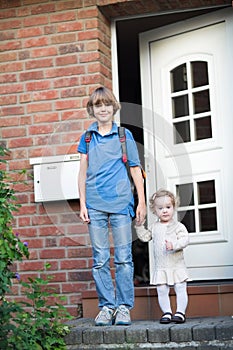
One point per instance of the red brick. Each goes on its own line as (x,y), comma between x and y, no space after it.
(73,264)
(26,232)
(24,221)
(8,56)
(48,231)
(39,107)
(67,104)
(38,85)
(63,38)
(61,72)
(69,27)
(39,63)
(45,95)
(13,132)
(8,100)
(45,117)
(63,17)
(45,8)
(68,81)
(71,287)
(44,52)
(11,89)
(35,243)
(31,265)
(29,32)
(88,35)
(66,60)
(21,142)
(52,253)
(35,20)
(36,75)
(87,13)
(8,78)
(11,45)
(42,41)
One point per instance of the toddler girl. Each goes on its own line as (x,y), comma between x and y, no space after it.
(169,238)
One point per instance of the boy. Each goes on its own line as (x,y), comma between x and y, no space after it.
(106,200)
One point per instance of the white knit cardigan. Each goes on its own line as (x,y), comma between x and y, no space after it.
(169,266)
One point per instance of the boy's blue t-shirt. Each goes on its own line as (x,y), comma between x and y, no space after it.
(108,187)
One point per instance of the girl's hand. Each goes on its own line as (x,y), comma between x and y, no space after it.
(169,245)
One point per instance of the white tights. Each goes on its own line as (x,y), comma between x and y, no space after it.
(181,297)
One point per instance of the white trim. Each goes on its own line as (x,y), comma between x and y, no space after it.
(115,81)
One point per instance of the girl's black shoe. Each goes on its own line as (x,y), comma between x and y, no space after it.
(179,317)
(166,318)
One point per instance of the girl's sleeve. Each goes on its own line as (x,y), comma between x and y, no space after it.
(182,237)
(145,235)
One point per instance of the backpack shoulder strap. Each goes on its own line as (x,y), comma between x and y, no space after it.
(122,138)
(88,139)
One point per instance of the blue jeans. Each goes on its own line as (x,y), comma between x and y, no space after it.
(120,225)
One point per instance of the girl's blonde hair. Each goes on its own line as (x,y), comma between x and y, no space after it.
(162,193)
(102,95)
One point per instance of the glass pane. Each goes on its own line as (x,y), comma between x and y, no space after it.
(179,78)
(208,219)
(206,192)
(182,132)
(201,100)
(203,128)
(185,193)
(187,218)
(199,73)
(180,106)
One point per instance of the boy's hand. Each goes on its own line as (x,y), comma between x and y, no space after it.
(84,215)
(140,214)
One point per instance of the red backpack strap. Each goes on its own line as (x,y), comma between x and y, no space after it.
(122,138)
(88,139)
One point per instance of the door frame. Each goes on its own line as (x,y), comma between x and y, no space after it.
(147,102)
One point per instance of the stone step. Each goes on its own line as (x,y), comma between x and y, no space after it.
(206,333)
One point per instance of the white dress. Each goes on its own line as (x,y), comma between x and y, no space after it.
(169,266)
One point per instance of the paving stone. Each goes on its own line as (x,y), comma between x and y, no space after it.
(93,335)
(204,332)
(181,333)
(136,334)
(224,330)
(158,334)
(114,335)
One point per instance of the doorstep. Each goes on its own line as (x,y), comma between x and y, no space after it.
(205,300)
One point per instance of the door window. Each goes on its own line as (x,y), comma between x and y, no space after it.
(190,100)
(198,207)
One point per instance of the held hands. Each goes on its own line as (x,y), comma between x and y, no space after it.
(140,214)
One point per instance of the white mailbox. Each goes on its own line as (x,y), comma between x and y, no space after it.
(56,177)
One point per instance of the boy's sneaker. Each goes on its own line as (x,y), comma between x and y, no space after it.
(104,317)
(122,316)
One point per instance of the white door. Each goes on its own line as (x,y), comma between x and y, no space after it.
(187,86)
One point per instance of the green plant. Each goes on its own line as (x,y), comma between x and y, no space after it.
(35,324)
(11,247)
(41,324)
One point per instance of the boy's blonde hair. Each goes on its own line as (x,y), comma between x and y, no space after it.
(162,193)
(102,95)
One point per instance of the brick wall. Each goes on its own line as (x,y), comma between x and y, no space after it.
(52,55)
